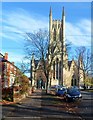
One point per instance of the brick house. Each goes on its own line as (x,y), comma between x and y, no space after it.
(14,84)
(1,57)
(8,71)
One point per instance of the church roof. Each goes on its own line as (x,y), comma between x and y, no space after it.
(39,64)
(70,62)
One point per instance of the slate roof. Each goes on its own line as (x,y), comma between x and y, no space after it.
(1,57)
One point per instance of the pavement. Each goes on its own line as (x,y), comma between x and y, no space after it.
(44,106)
(90,96)
(4,102)
(87,95)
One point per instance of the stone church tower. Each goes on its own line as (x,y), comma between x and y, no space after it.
(62,71)
(57,39)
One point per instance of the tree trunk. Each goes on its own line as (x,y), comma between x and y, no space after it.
(47,84)
(84,81)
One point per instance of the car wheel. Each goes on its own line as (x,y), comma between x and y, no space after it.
(66,99)
(80,99)
(56,94)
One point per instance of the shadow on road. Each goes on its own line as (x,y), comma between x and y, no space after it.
(40,104)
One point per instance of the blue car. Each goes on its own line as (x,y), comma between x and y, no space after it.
(61,91)
(73,93)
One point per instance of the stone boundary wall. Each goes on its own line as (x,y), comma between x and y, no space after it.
(17,96)
(13,93)
(7,94)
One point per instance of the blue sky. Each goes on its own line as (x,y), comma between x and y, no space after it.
(21,17)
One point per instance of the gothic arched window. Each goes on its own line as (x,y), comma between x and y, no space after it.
(54,69)
(60,66)
(54,34)
(60,35)
(53,26)
(58,25)
(57,68)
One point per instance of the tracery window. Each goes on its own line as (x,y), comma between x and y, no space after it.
(54,34)
(57,68)
(60,65)
(54,69)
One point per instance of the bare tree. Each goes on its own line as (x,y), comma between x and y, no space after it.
(38,43)
(84,55)
(24,66)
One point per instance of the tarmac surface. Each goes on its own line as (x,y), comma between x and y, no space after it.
(42,106)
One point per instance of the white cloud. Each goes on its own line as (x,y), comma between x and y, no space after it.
(16,23)
(80,33)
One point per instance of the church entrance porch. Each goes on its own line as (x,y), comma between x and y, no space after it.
(74,81)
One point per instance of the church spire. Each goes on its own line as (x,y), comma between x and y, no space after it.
(50,19)
(33,57)
(63,25)
(63,13)
(50,12)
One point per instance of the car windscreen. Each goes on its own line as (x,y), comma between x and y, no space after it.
(73,90)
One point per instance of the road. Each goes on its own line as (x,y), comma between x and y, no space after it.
(47,107)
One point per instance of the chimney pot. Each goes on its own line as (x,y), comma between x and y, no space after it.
(6,56)
(13,63)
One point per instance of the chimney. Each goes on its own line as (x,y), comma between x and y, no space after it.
(13,63)
(6,56)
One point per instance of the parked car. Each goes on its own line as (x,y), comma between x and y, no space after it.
(81,87)
(52,89)
(73,93)
(61,91)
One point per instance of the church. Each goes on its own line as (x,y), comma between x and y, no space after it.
(64,72)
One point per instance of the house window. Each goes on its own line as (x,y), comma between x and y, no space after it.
(11,81)
(6,83)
